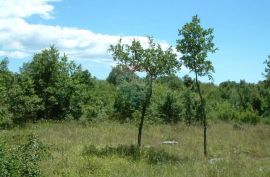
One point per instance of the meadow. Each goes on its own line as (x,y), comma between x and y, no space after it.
(104,149)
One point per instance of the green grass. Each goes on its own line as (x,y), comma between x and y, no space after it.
(104,149)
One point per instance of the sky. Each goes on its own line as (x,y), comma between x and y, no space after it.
(84,30)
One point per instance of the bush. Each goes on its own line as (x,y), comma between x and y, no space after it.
(266,120)
(91,113)
(169,110)
(225,111)
(23,160)
(129,98)
(189,106)
(248,116)
(98,105)
(5,118)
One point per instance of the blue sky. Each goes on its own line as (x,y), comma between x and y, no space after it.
(83,29)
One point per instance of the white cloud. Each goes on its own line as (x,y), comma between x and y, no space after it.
(20,39)
(26,8)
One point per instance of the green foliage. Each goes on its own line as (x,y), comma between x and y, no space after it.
(6,80)
(265,120)
(189,105)
(6,119)
(228,91)
(50,74)
(129,98)
(244,94)
(195,45)
(52,87)
(24,103)
(153,60)
(82,87)
(226,112)
(99,101)
(248,116)
(23,160)
(169,109)
(61,87)
(171,81)
(120,74)
(188,82)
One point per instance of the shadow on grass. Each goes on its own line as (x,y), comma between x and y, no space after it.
(132,152)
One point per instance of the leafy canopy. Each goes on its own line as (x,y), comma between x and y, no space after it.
(195,44)
(153,60)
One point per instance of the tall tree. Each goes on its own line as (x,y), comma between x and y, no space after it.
(195,43)
(154,61)
(50,74)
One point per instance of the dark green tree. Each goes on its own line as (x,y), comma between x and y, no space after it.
(129,97)
(172,81)
(169,109)
(82,85)
(195,43)
(6,82)
(189,106)
(23,101)
(154,61)
(119,74)
(188,81)
(244,95)
(50,74)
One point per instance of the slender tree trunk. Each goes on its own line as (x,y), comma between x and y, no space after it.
(144,108)
(141,126)
(204,116)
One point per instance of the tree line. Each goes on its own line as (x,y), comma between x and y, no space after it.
(50,86)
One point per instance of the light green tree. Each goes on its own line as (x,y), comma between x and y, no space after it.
(153,60)
(195,43)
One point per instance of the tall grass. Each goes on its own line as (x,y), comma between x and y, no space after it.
(239,151)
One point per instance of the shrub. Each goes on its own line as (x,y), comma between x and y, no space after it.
(189,106)
(169,110)
(129,98)
(248,116)
(23,160)
(5,118)
(90,112)
(93,112)
(225,111)
(266,120)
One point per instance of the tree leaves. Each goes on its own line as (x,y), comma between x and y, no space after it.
(153,60)
(195,43)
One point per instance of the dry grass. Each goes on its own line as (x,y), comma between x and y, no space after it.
(243,152)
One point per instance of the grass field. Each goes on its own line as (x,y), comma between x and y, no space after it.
(235,152)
